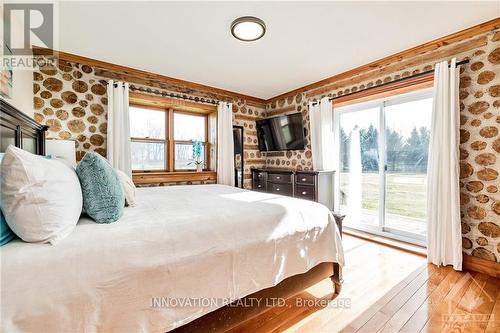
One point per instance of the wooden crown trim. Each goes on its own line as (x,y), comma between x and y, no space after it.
(403,55)
(132,75)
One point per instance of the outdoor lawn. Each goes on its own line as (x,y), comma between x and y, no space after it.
(405,193)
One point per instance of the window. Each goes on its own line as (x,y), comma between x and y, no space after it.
(187,129)
(383,148)
(149,140)
(162,139)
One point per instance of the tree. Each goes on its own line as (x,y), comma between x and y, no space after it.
(369,148)
(412,150)
(394,144)
(344,148)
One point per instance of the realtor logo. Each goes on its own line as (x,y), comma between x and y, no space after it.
(475,295)
(37,24)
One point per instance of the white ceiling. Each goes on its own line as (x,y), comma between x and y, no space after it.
(305,41)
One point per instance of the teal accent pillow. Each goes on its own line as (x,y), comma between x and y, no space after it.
(6,235)
(103,197)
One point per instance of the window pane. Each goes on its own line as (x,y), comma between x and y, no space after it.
(359,170)
(189,127)
(146,123)
(184,156)
(407,144)
(148,156)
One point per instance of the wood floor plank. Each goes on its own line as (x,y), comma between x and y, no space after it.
(399,318)
(474,310)
(361,320)
(459,319)
(438,317)
(366,293)
(376,278)
(385,313)
(389,291)
(417,322)
(494,322)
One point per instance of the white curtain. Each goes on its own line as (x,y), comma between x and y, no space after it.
(322,137)
(225,144)
(118,137)
(444,242)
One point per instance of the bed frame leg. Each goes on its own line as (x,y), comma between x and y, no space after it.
(337,279)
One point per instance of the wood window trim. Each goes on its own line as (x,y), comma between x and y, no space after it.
(145,178)
(389,90)
(170,107)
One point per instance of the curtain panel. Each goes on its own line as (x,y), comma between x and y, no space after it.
(225,144)
(444,242)
(118,137)
(322,135)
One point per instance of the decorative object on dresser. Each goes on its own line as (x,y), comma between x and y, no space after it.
(310,185)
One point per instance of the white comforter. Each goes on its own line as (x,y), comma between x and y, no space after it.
(179,243)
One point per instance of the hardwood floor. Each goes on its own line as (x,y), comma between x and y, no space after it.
(388,290)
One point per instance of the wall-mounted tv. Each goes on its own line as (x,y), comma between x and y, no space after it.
(281,133)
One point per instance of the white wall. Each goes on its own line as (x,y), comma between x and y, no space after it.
(22,89)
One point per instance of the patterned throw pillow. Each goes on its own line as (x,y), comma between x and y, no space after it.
(103,197)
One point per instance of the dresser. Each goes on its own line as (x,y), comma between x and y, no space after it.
(310,185)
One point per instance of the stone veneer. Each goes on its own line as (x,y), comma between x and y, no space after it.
(479,135)
(72,100)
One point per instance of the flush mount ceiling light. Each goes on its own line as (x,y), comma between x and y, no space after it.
(248,28)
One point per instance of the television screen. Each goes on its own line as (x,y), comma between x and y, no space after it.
(281,133)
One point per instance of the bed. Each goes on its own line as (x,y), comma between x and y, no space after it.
(180,256)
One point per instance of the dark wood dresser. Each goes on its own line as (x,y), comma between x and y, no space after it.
(310,185)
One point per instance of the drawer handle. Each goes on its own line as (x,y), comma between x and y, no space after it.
(277,189)
(304,193)
(278,177)
(259,185)
(304,179)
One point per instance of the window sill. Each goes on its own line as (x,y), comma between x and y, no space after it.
(143,178)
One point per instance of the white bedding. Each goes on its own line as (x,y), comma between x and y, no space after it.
(179,242)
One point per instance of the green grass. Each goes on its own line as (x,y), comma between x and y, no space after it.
(405,193)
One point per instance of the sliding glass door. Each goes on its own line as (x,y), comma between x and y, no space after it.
(359,191)
(383,147)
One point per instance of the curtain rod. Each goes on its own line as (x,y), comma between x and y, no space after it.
(173,95)
(391,82)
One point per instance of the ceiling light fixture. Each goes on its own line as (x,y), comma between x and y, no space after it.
(248,28)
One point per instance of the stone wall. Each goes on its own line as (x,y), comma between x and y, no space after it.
(479,131)
(72,100)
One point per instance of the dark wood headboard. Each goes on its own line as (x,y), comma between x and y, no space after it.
(16,128)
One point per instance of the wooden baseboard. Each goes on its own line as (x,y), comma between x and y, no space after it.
(476,264)
(469,262)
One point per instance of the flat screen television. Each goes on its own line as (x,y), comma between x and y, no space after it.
(281,133)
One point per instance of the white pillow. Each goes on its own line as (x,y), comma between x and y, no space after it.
(128,187)
(41,198)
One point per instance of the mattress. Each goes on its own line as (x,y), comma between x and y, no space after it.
(182,252)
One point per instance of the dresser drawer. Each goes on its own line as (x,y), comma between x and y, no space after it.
(259,185)
(283,189)
(282,178)
(304,178)
(304,192)
(259,175)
